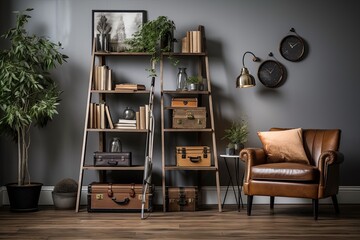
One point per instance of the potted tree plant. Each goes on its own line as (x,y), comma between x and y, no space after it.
(28,97)
(237,135)
(154,37)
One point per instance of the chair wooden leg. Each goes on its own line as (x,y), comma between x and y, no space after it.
(249,204)
(315,208)
(335,203)
(272,201)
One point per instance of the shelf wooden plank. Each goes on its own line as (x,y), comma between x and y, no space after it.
(121,91)
(122,54)
(117,130)
(183,54)
(176,168)
(174,92)
(188,130)
(119,168)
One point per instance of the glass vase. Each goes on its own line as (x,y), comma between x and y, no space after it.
(181,80)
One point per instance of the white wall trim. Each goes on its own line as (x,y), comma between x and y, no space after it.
(347,195)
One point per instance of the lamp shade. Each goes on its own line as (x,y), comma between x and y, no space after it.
(245,79)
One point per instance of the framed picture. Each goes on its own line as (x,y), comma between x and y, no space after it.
(110,28)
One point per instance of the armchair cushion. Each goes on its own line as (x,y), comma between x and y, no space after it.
(284,146)
(295,172)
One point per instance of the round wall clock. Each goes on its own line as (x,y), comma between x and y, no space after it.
(292,47)
(271,73)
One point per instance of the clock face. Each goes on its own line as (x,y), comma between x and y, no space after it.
(271,73)
(292,48)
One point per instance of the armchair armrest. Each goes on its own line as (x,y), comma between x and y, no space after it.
(252,157)
(328,161)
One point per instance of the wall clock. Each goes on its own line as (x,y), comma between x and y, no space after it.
(292,47)
(271,73)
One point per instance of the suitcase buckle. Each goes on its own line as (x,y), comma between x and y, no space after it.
(205,152)
(183,153)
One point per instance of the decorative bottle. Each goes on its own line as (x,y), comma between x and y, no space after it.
(115,145)
(181,80)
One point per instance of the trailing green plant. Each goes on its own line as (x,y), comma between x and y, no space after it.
(154,37)
(28,95)
(237,133)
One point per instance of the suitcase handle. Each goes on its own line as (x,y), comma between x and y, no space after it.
(195,159)
(121,202)
(112,162)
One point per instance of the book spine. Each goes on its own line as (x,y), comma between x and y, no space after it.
(142,117)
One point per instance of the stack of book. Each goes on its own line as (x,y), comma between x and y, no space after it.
(129,87)
(99,115)
(126,124)
(192,42)
(102,78)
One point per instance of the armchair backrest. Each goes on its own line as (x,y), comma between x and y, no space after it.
(317,141)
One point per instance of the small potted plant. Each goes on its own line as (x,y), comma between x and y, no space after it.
(237,135)
(64,194)
(193,83)
(154,37)
(28,97)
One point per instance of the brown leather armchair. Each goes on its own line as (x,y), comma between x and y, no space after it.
(316,180)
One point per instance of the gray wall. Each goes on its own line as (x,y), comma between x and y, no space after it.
(320,92)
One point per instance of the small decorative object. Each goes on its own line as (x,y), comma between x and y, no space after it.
(193,83)
(230,149)
(64,194)
(271,73)
(129,114)
(237,135)
(116,145)
(181,80)
(292,47)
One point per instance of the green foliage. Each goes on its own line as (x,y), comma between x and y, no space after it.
(237,133)
(28,95)
(194,79)
(154,37)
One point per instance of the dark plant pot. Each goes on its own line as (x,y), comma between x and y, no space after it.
(24,198)
(64,200)
(167,41)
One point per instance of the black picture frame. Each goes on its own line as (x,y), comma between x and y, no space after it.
(123,24)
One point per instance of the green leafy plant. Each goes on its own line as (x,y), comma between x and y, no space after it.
(154,37)
(237,133)
(28,95)
(194,79)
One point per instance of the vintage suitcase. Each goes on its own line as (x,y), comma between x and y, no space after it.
(107,197)
(189,118)
(184,102)
(193,156)
(112,159)
(180,199)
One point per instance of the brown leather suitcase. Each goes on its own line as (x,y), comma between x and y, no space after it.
(193,156)
(107,197)
(113,159)
(189,118)
(179,199)
(184,102)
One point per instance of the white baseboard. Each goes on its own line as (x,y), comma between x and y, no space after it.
(347,195)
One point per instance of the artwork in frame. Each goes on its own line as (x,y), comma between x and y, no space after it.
(110,28)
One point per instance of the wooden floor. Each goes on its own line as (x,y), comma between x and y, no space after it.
(284,222)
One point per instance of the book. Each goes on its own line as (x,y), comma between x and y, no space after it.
(127,121)
(129,86)
(91,115)
(108,115)
(125,124)
(102,115)
(142,117)
(137,117)
(147,114)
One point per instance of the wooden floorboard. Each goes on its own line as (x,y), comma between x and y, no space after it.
(284,222)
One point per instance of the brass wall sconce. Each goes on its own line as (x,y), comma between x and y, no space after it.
(245,79)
